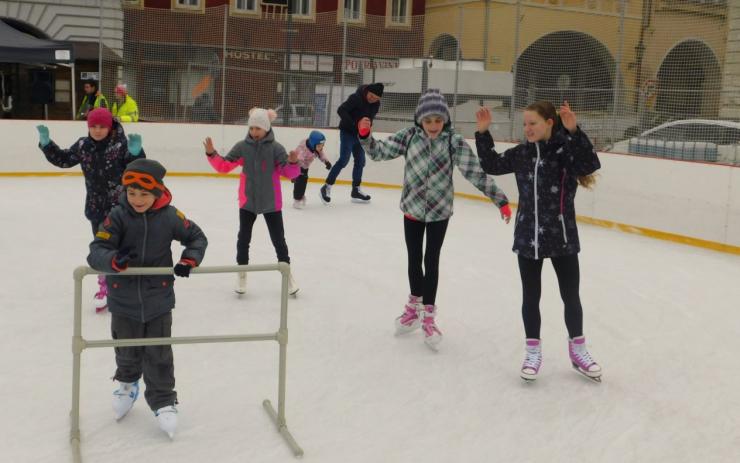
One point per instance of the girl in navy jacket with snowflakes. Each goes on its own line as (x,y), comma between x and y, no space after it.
(549,166)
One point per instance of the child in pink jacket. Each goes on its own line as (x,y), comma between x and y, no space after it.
(263,160)
(308,150)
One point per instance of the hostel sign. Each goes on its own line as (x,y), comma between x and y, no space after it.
(252,55)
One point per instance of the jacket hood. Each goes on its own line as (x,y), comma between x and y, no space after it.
(270,137)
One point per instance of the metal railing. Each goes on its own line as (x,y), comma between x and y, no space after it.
(281,336)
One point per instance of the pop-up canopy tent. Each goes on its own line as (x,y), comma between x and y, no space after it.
(19,47)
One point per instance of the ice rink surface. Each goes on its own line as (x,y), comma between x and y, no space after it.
(662,319)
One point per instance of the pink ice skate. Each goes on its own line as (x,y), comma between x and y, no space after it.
(432,335)
(581,359)
(409,319)
(532,360)
(100,300)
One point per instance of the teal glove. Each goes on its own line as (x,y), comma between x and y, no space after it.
(134,144)
(43,135)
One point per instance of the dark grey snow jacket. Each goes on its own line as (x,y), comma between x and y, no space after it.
(149,235)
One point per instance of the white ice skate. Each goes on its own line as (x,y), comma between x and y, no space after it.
(241,283)
(124,398)
(167,419)
(409,320)
(582,361)
(532,360)
(432,335)
(100,300)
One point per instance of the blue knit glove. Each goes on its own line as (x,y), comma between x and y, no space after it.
(134,144)
(43,135)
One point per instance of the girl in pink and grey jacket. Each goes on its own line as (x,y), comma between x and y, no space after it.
(263,160)
(308,150)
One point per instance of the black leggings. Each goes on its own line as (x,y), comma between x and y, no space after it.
(274,222)
(566,268)
(299,184)
(423,283)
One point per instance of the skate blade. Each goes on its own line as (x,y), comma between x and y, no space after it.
(595,379)
(528,380)
(527,377)
(360,201)
(433,344)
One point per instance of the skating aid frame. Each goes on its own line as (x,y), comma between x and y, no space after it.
(281,336)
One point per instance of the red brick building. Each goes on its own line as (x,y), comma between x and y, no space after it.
(174,52)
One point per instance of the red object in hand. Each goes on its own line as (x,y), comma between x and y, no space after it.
(363,129)
(506,213)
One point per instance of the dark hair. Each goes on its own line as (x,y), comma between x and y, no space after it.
(547,111)
(92,82)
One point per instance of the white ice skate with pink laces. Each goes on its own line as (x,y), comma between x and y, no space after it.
(432,335)
(582,361)
(100,300)
(532,359)
(409,320)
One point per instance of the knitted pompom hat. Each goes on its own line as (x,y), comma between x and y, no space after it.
(431,103)
(262,118)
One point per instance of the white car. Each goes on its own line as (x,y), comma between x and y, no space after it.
(688,139)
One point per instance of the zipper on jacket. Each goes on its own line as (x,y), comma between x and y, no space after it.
(536,213)
(143,256)
(562,206)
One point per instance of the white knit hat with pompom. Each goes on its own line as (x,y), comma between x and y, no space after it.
(260,117)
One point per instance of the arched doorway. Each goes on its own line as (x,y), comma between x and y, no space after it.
(689,82)
(566,65)
(444,47)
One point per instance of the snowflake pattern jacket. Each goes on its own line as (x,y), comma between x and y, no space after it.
(546,175)
(102,164)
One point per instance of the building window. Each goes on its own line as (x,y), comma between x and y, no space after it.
(245,5)
(189,5)
(132,3)
(301,7)
(397,12)
(353,10)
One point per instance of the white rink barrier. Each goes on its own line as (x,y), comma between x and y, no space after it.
(688,202)
(281,336)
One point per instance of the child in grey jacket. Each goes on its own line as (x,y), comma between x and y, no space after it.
(139,232)
(263,161)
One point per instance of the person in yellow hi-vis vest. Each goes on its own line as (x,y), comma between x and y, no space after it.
(125,108)
(93,99)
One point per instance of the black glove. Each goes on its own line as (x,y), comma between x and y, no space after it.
(122,258)
(182,269)
(328,165)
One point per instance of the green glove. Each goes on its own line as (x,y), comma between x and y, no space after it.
(43,135)
(134,144)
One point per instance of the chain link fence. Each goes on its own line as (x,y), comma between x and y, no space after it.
(626,67)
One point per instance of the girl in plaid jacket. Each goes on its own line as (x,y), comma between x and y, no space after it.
(431,148)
